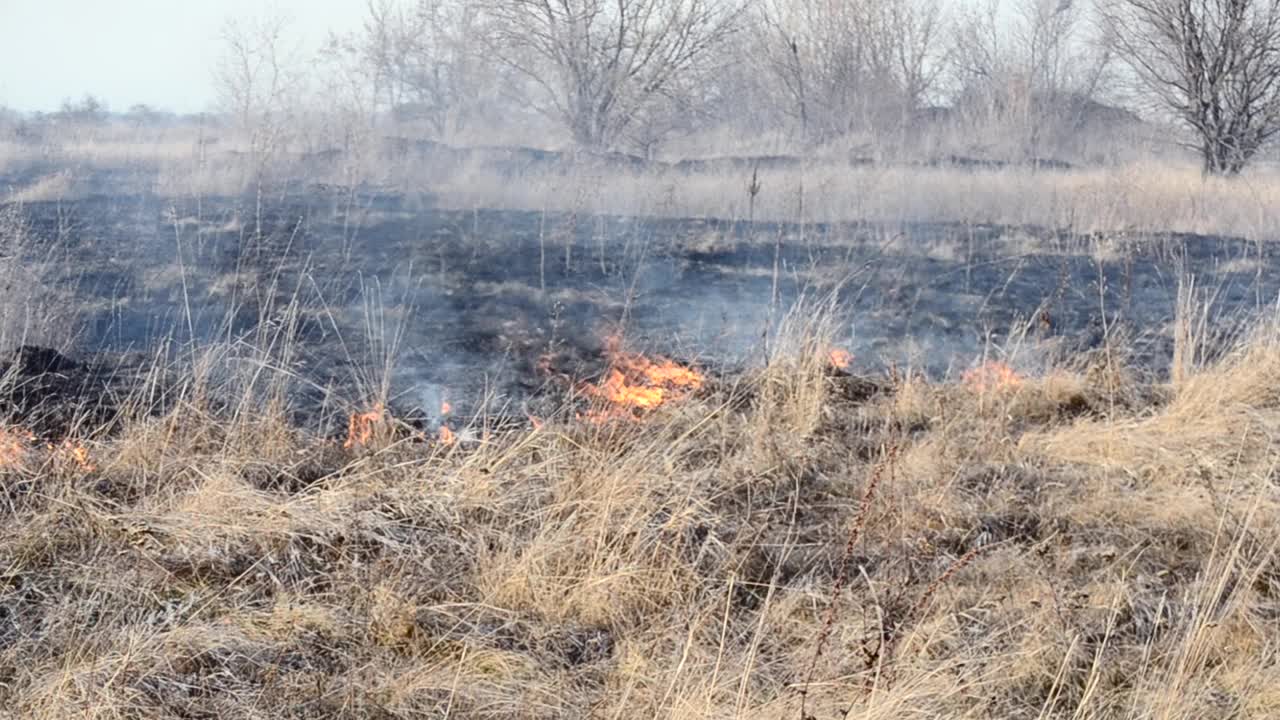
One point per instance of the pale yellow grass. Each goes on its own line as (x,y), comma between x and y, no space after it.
(1049,548)
(1137,197)
(1072,545)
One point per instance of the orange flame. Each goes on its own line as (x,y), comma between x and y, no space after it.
(445,407)
(78,453)
(15,444)
(992,375)
(360,426)
(619,391)
(839,358)
(637,383)
(447,436)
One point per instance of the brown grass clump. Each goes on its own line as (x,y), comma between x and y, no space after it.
(795,541)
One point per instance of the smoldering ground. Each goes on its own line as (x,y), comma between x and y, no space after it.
(466,304)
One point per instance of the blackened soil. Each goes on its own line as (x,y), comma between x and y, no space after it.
(484,301)
(55,397)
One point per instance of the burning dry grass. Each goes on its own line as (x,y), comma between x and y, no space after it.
(798,537)
(636,384)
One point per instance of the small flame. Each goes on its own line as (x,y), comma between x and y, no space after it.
(360,426)
(78,453)
(839,358)
(637,383)
(991,376)
(445,407)
(618,391)
(447,436)
(15,444)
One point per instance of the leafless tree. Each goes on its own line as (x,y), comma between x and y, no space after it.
(143,115)
(260,86)
(1029,68)
(88,110)
(420,60)
(258,82)
(598,66)
(844,65)
(1214,63)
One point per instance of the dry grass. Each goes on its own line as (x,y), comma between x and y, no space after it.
(32,310)
(1070,545)
(1141,195)
(1137,197)
(1038,549)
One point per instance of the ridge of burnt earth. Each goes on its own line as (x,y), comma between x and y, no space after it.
(477,296)
(519,160)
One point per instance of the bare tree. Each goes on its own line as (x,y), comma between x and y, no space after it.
(599,65)
(1031,68)
(1214,63)
(419,61)
(258,82)
(844,65)
(88,110)
(260,86)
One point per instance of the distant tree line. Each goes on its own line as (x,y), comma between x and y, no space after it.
(91,110)
(632,75)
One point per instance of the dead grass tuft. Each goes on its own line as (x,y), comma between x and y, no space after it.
(794,539)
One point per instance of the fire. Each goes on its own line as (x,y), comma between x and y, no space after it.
(447,436)
(445,407)
(839,358)
(78,453)
(361,426)
(15,444)
(638,383)
(619,391)
(992,375)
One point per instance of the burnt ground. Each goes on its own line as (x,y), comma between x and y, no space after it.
(477,299)
(1047,548)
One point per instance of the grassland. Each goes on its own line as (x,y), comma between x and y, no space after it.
(1094,539)
(794,540)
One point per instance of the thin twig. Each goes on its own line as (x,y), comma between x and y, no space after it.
(842,574)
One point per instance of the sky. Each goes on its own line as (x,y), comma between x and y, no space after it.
(158,52)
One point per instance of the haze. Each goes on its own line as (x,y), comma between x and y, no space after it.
(773,359)
(156,52)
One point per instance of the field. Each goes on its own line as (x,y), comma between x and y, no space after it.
(509,436)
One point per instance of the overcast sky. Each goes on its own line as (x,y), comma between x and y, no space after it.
(158,52)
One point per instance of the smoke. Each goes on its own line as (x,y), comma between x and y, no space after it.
(362,294)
